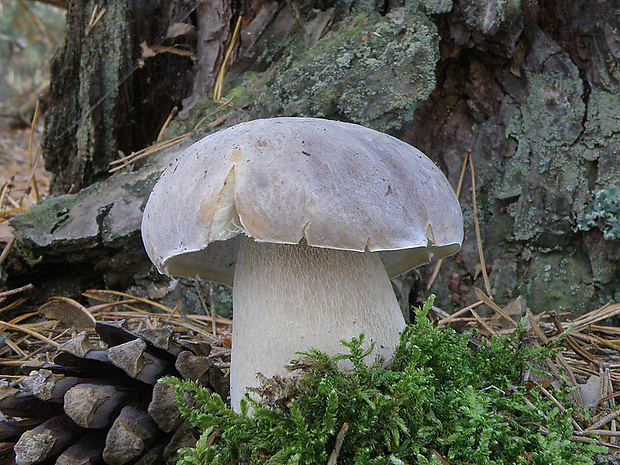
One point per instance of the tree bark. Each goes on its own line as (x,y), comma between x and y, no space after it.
(106,96)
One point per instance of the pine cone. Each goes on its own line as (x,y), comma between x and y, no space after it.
(94,405)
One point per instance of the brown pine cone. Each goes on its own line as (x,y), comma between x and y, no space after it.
(93,405)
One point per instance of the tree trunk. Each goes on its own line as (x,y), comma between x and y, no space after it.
(111,90)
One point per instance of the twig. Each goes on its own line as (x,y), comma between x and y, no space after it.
(212,305)
(175,311)
(489,302)
(15,348)
(6,250)
(27,287)
(35,118)
(127,296)
(3,195)
(459,313)
(13,305)
(157,147)
(224,104)
(603,421)
(559,405)
(570,340)
(172,114)
(94,20)
(598,432)
(483,323)
(577,438)
(197,318)
(199,292)
(607,311)
(97,308)
(333,458)
(36,22)
(576,394)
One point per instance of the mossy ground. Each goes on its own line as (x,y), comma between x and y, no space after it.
(443,394)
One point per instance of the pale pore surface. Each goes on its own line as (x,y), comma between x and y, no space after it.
(288,298)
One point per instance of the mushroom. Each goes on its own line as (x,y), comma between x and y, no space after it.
(308,218)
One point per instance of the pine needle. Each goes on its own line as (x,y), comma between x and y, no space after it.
(32,333)
(485,275)
(219,82)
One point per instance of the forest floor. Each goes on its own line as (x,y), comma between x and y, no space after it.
(32,330)
(23,179)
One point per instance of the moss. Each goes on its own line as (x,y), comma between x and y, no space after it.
(241,91)
(437,396)
(46,217)
(26,256)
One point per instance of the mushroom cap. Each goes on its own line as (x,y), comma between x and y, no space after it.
(336,185)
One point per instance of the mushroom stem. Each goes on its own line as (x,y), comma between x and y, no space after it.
(288,298)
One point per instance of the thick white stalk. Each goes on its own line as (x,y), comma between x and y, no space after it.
(287,298)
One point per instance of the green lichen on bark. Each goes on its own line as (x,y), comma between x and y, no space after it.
(603,212)
(370,69)
(561,282)
(489,16)
(367,68)
(546,128)
(46,218)
(601,140)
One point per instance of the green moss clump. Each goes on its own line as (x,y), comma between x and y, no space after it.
(437,395)
(603,213)
(27,256)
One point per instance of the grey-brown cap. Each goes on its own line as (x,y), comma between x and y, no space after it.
(337,185)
